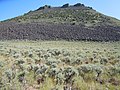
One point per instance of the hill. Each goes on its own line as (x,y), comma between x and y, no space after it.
(68,22)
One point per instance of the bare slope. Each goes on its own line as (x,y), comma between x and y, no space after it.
(76,22)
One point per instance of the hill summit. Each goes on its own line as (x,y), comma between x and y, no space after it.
(67,22)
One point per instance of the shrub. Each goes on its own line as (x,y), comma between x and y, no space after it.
(10,75)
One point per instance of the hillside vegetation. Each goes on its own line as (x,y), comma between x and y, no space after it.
(77,14)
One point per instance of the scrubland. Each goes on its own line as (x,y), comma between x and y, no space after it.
(59,65)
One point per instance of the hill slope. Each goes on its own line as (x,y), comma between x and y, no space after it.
(77,22)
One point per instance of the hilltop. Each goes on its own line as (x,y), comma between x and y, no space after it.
(67,22)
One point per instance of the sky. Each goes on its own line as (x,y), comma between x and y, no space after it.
(13,8)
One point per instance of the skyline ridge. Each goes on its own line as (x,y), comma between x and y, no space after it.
(11,9)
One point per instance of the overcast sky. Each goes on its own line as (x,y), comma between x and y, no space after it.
(13,8)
